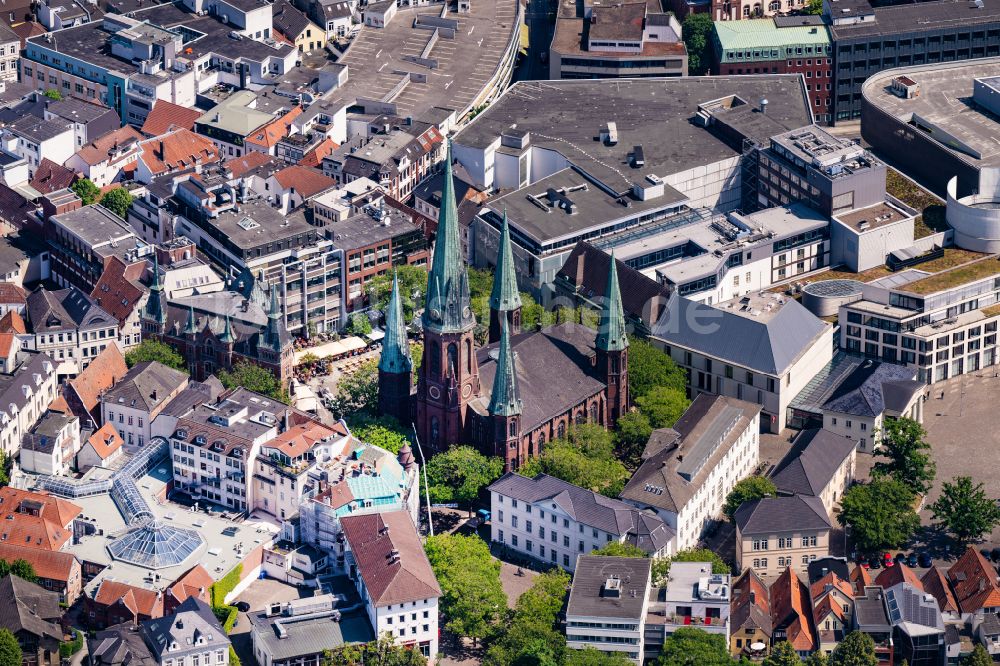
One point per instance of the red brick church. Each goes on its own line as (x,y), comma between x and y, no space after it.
(521,390)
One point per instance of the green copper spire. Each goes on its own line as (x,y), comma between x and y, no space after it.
(273,336)
(505,296)
(448,303)
(395,347)
(227,337)
(154,306)
(611,331)
(505,399)
(190,329)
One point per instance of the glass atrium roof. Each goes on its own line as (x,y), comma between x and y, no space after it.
(155,545)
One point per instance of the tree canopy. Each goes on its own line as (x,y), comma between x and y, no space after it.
(619,549)
(254,378)
(460,474)
(694,647)
(10,649)
(697,31)
(412,288)
(531,636)
(880,514)
(857,649)
(650,367)
(472,601)
(782,654)
(663,406)
(358,324)
(53,94)
(117,201)
(747,490)
(978,657)
(965,510)
(585,457)
(86,190)
(382,431)
(593,657)
(154,350)
(381,652)
(631,434)
(20,568)
(906,455)
(357,391)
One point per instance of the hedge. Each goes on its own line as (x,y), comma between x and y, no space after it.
(227,616)
(233,659)
(68,648)
(225,585)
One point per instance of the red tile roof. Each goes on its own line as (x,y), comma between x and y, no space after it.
(118,290)
(7,342)
(790,608)
(99,151)
(12,322)
(299,439)
(974,582)
(305,180)
(55,565)
(314,157)
(193,583)
(900,573)
(179,149)
(935,584)
(59,405)
(138,600)
(27,30)
(390,557)
(239,166)
(817,589)
(861,578)
(166,116)
(102,373)
(268,136)
(35,520)
(11,293)
(50,177)
(105,441)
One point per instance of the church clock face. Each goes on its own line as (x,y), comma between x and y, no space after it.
(466,312)
(435,314)
(434,392)
(466,391)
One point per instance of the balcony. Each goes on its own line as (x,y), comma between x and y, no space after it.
(694,621)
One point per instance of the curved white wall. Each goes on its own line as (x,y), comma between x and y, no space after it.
(976,229)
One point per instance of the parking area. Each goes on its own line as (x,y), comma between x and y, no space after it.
(260,593)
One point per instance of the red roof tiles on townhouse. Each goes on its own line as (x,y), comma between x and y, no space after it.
(138,600)
(789,599)
(35,520)
(102,373)
(118,290)
(54,565)
(50,177)
(12,322)
(270,134)
(195,582)
(390,557)
(817,589)
(861,578)
(299,439)
(27,30)
(98,151)
(166,116)
(314,158)
(900,573)
(7,342)
(179,149)
(105,441)
(936,585)
(974,582)
(12,294)
(306,181)
(59,405)
(239,166)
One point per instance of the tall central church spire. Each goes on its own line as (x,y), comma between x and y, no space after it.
(448,308)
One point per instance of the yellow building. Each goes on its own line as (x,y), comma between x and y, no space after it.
(750,617)
(296,27)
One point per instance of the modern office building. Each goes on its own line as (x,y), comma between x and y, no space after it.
(779,45)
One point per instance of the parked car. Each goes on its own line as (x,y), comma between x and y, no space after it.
(985,552)
(875,562)
(900,557)
(912,561)
(996,554)
(925,560)
(887,560)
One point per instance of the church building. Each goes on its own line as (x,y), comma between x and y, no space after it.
(521,390)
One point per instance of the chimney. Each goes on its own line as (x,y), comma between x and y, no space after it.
(763,105)
(753,597)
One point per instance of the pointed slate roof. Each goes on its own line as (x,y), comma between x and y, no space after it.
(154,305)
(448,308)
(190,328)
(273,336)
(506,398)
(395,356)
(505,296)
(611,331)
(227,337)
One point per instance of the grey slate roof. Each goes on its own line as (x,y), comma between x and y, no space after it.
(587,507)
(870,613)
(811,462)
(874,387)
(145,386)
(33,368)
(288,20)
(768,345)
(65,309)
(120,645)
(29,607)
(192,620)
(586,597)
(781,514)
(658,482)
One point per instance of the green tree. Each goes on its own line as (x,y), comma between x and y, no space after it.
(6,464)
(880,514)
(814,7)
(619,549)
(254,378)
(382,652)
(663,406)
(586,458)
(978,657)
(10,650)
(86,190)
(357,391)
(472,598)
(412,288)
(747,490)
(153,350)
(650,367)
(358,324)
(382,431)
(117,201)
(480,282)
(460,474)
(816,659)
(907,455)
(965,510)
(53,94)
(20,568)
(782,654)
(697,31)
(594,657)
(531,635)
(661,567)
(693,647)
(631,435)
(857,649)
